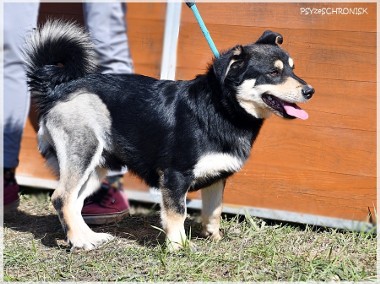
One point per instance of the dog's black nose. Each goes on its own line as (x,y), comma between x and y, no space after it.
(308,91)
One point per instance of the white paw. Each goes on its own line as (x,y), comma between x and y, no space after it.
(214,236)
(174,246)
(89,241)
(176,239)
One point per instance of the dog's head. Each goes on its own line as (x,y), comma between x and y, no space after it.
(260,77)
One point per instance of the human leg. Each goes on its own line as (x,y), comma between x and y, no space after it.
(108,30)
(19,19)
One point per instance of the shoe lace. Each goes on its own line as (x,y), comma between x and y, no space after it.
(106,194)
(108,199)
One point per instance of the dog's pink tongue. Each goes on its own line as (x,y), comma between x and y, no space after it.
(296,112)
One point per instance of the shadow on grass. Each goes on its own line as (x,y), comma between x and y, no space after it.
(145,230)
(137,227)
(46,228)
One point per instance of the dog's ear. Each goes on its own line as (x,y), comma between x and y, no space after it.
(230,64)
(269,37)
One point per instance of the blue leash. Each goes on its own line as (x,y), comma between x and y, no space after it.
(205,32)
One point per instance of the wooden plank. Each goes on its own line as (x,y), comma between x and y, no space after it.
(146,23)
(279,15)
(274,188)
(145,38)
(66,11)
(308,50)
(342,151)
(147,70)
(61,9)
(147,11)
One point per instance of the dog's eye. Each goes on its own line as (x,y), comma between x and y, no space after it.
(274,73)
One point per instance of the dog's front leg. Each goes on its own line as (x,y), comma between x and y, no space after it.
(212,198)
(174,187)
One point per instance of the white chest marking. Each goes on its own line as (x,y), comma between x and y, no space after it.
(212,164)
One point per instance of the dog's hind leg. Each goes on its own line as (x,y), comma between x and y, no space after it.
(79,156)
(174,187)
(212,198)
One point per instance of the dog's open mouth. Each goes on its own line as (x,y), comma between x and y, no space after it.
(285,109)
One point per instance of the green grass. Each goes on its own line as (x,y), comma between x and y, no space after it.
(251,250)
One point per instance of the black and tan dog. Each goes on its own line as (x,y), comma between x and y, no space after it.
(178,136)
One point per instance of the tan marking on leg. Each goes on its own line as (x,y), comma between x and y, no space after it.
(172,222)
(175,231)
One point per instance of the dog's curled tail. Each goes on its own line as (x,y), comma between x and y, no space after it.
(57,52)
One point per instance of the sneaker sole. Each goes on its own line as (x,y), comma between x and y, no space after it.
(104,219)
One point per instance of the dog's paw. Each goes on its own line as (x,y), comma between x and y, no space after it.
(89,241)
(173,246)
(214,236)
(177,246)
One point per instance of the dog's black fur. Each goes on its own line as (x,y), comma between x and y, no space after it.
(159,129)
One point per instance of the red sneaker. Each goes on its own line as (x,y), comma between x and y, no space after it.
(11,190)
(109,205)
